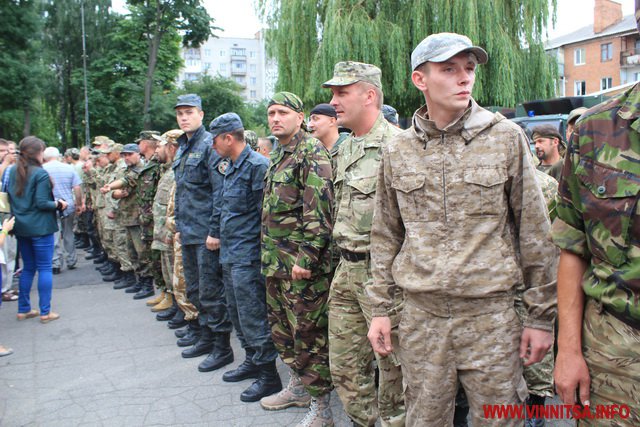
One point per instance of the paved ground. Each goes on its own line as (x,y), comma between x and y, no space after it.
(108,362)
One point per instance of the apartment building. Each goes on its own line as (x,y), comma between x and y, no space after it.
(599,56)
(240,59)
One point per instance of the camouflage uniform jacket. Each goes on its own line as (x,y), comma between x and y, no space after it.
(549,187)
(111,173)
(334,151)
(128,210)
(355,186)
(144,184)
(241,208)
(162,236)
(89,181)
(198,182)
(450,220)
(598,210)
(296,211)
(171,203)
(101,178)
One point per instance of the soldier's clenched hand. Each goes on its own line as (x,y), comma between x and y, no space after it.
(212,243)
(534,344)
(299,273)
(380,335)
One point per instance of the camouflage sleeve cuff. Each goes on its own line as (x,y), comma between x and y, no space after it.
(303,261)
(569,238)
(539,324)
(381,311)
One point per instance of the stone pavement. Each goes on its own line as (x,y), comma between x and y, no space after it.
(108,362)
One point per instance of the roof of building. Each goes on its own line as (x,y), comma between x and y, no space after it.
(627,24)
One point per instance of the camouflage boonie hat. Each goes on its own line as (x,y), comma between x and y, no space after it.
(146,135)
(101,139)
(110,148)
(350,72)
(287,99)
(118,147)
(169,137)
(575,114)
(251,138)
(442,46)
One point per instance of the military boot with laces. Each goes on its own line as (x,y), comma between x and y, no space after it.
(293,395)
(319,414)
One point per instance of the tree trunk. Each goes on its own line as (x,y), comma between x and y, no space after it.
(62,120)
(27,120)
(72,111)
(154,46)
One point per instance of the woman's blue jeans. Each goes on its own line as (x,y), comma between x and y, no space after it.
(37,255)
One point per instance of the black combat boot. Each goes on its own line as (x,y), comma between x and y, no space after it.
(101,259)
(168,314)
(129,280)
(177,321)
(221,354)
(193,334)
(115,275)
(268,383)
(146,289)
(95,253)
(107,269)
(179,333)
(203,346)
(135,288)
(243,372)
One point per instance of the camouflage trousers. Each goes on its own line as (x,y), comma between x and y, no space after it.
(539,376)
(611,349)
(297,311)
(246,303)
(122,243)
(166,263)
(351,356)
(142,251)
(156,267)
(444,340)
(180,285)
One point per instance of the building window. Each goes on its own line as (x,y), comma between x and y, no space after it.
(253,94)
(252,54)
(240,80)
(253,81)
(223,67)
(578,56)
(636,77)
(579,88)
(606,83)
(223,53)
(252,68)
(207,52)
(606,52)
(238,51)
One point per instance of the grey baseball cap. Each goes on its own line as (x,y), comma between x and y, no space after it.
(130,148)
(189,100)
(442,46)
(227,122)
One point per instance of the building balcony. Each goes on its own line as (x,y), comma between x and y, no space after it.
(236,72)
(630,58)
(238,57)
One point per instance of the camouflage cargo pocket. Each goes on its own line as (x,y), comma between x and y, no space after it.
(483,191)
(609,197)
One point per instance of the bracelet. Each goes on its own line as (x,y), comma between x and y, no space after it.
(5,232)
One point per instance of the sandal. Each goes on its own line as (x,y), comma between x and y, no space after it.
(49,317)
(28,315)
(4,351)
(8,296)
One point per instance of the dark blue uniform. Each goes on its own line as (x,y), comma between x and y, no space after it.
(240,254)
(197,215)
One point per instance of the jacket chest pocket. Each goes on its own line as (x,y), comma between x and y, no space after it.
(286,190)
(482,192)
(610,199)
(195,170)
(413,201)
(236,199)
(362,201)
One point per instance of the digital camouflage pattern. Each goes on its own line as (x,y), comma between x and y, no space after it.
(349,308)
(162,236)
(128,210)
(297,311)
(297,206)
(598,212)
(349,72)
(549,187)
(251,138)
(448,207)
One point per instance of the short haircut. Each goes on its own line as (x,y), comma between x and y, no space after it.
(379,95)
(237,134)
(4,142)
(266,141)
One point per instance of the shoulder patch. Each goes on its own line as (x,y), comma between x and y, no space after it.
(223,165)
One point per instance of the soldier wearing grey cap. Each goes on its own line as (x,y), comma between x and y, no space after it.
(460,222)
(241,202)
(357,98)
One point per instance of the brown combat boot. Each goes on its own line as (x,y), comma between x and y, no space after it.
(293,395)
(319,414)
(156,300)
(165,304)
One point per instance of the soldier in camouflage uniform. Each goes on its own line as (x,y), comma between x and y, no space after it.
(357,94)
(251,138)
(162,237)
(459,221)
(323,125)
(296,232)
(598,232)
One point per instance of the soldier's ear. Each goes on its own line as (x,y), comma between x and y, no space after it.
(418,78)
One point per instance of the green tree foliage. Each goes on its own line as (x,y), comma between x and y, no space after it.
(160,18)
(21,70)
(307,37)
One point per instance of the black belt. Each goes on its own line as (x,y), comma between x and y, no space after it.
(354,256)
(624,319)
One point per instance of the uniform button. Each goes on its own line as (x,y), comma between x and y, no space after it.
(602,189)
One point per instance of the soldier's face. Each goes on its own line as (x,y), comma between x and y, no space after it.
(545,147)
(4,150)
(102,161)
(113,156)
(447,86)
(189,119)
(349,102)
(131,159)
(161,153)
(283,121)
(321,125)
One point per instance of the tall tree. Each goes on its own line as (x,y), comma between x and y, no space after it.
(159,17)
(307,37)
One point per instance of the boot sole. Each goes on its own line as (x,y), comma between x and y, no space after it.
(228,360)
(257,398)
(243,378)
(286,405)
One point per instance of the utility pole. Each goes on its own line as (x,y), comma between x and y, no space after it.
(87,137)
